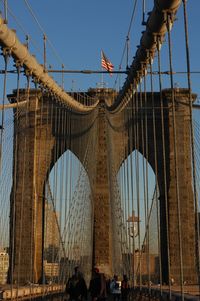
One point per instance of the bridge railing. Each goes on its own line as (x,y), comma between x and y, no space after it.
(32,291)
(145,293)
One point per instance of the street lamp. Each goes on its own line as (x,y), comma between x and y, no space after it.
(133,231)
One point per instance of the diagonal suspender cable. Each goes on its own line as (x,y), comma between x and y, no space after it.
(132,192)
(22,29)
(126,46)
(42,30)
(155,25)
(156,171)
(147,174)
(14,182)
(164,165)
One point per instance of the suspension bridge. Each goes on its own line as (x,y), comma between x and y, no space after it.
(105,178)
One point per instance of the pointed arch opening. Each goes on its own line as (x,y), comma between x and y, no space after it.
(67,220)
(138,226)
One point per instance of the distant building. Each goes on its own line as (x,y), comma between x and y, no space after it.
(51,227)
(51,270)
(127,261)
(4,265)
(147,264)
(51,253)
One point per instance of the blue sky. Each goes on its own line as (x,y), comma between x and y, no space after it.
(80,29)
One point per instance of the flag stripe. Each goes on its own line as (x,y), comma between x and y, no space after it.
(105,63)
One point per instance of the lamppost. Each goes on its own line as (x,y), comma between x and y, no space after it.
(133,232)
(133,220)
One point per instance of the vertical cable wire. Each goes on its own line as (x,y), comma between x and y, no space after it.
(133,282)
(143,151)
(156,168)
(123,206)
(130,210)
(62,178)
(13,204)
(136,255)
(147,174)
(48,108)
(164,165)
(57,153)
(63,83)
(187,50)
(51,103)
(143,12)
(175,153)
(127,51)
(126,195)
(44,53)
(68,208)
(38,194)
(122,212)
(23,187)
(137,181)
(6,58)
(44,205)
(33,211)
(6,10)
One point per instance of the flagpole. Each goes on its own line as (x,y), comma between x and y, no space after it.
(101,70)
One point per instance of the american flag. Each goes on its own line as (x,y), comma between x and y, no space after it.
(105,63)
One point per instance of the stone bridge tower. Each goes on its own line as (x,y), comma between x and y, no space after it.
(35,139)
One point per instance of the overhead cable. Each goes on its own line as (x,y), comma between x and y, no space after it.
(43,31)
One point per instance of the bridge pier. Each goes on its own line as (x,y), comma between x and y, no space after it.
(33,144)
(183,242)
(151,111)
(102,250)
(174,181)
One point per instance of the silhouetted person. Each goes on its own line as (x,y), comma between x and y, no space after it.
(125,288)
(97,286)
(76,286)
